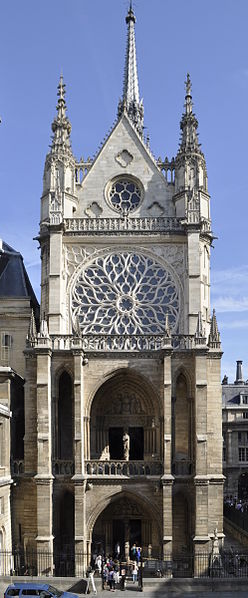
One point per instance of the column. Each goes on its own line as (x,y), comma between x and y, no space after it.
(44,477)
(79,478)
(201,481)
(167,478)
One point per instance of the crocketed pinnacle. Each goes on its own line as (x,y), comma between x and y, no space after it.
(61,125)
(130,98)
(214,336)
(189,124)
(32,332)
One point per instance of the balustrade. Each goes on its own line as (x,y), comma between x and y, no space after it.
(111,342)
(182,467)
(17,466)
(123,468)
(63,467)
(123,224)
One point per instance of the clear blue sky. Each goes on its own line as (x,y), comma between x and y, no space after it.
(87,39)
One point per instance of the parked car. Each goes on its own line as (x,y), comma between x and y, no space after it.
(43,590)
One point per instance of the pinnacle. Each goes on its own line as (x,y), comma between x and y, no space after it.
(189,124)
(61,126)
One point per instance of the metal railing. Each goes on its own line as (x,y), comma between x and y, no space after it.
(70,563)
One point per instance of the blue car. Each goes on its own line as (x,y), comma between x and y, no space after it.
(43,590)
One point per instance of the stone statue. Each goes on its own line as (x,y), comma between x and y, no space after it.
(126,445)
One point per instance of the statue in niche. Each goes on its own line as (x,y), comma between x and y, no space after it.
(126,445)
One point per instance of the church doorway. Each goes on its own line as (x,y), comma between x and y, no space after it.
(124,420)
(126,521)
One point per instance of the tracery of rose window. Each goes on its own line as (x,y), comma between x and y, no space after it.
(125,293)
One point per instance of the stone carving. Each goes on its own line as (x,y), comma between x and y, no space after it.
(125,293)
(93,210)
(124,158)
(126,445)
(126,508)
(125,405)
(156,209)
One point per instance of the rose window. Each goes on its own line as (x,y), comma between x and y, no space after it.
(125,293)
(124,194)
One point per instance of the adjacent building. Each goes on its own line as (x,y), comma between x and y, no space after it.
(18,305)
(235,435)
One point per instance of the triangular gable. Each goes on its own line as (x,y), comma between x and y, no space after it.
(124,153)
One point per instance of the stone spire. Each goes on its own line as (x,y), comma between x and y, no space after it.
(32,332)
(61,126)
(189,137)
(130,99)
(214,336)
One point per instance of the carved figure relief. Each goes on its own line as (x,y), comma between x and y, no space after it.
(125,405)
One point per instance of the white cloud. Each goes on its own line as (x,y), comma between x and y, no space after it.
(230,289)
(233,324)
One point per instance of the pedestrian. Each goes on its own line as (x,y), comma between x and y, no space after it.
(135,571)
(90,581)
(123,578)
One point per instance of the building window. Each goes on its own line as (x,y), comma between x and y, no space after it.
(245,414)
(239,436)
(6,343)
(242,453)
(244,399)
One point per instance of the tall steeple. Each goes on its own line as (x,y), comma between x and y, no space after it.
(130,99)
(61,125)
(189,124)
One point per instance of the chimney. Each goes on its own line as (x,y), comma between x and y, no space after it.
(239,373)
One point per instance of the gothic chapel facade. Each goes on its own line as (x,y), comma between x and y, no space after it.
(123,435)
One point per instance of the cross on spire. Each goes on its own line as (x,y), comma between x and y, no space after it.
(130,101)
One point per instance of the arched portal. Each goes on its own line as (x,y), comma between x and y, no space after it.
(243,486)
(126,520)
(125,423)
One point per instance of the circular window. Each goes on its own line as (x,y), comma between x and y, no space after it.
(124,194)
(125,292)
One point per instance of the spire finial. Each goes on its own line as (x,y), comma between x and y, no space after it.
(61,126)
(188,85)
(130,99)
(214,336)
(189,124)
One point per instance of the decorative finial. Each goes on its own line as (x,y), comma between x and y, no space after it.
(214,335)
(130,15)
(189,124)
(61,126)
(188,85)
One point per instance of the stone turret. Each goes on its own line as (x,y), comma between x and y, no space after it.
(191,196)
(59,198)
(130,101)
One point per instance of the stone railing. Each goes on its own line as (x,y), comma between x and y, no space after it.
(63,467)
(17,466)
(115,343)
(182,467)
(125,224)
(95,468)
